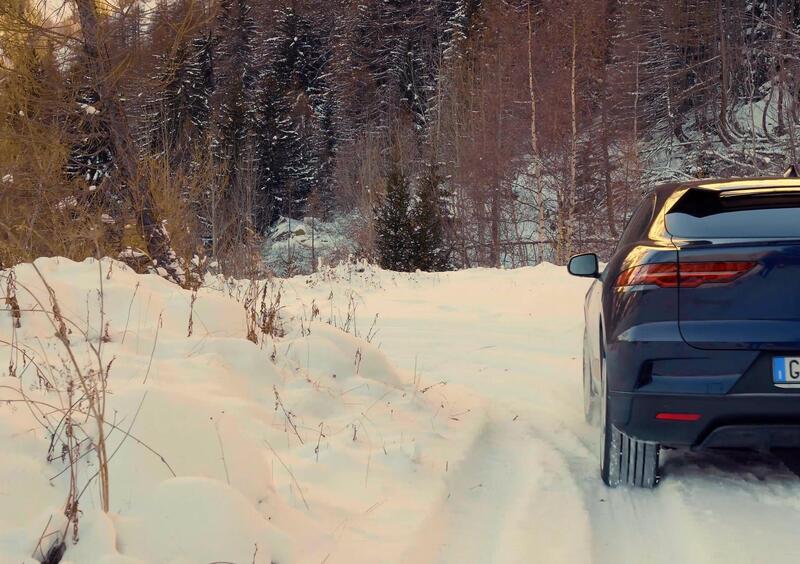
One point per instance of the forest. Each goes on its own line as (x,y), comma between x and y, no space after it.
(431,134)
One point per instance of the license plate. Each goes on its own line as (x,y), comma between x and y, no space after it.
(786,371)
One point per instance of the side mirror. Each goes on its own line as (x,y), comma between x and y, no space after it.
(587,265)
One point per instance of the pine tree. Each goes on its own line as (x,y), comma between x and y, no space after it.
(327,113)
(413,81)
(455,29)
(200,82)
(236,78)
(429,217)
(394,226)
(461,20)
(298,83)
(300,59)
(278,150)
(180,109)
(388,62)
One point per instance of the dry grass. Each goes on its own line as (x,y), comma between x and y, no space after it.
(75,420)
(46,212)
(262,305)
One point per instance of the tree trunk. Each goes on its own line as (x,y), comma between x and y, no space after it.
(724,72)
(633,157)
(535,160)
(573,177)
(782,72)
(607,182)
(132,187)
(495,227)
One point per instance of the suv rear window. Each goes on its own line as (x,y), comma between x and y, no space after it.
(736,213)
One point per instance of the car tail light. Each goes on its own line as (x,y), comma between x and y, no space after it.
(663,274)
(685,275)
(694,274)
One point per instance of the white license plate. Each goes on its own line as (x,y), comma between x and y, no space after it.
(786,371)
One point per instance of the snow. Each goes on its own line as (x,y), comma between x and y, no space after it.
(449,428)
(288,247)
(129,253)
(68,202)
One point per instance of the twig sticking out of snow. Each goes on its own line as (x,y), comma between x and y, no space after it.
(222,450)
(287,414)
(319,440)
(291,474)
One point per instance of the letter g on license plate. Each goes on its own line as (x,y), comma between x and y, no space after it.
(786,371)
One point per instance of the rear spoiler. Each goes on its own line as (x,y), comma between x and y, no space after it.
(703,201)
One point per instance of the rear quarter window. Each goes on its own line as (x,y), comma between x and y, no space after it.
(639,222)
(707,214)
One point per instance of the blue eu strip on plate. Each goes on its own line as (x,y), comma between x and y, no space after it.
(779,370)
(786,371)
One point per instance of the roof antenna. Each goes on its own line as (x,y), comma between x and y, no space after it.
(792,172)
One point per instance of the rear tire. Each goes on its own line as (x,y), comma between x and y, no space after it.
(623,459)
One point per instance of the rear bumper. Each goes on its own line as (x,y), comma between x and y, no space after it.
(651,370)
(758,421)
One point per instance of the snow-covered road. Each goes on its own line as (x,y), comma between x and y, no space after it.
(527,488)
(449,430)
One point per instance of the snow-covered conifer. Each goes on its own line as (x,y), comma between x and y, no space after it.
(394,224)
(429,218)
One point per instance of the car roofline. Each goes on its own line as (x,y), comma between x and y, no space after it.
(725,184)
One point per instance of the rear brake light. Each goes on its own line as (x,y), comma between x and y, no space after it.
(687,275)
(678,416)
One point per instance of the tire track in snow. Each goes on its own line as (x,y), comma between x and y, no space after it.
(556,525)
(468,523)
(621,523)
(507,502)
(617,519)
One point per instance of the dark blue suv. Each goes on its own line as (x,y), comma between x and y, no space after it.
(693,328)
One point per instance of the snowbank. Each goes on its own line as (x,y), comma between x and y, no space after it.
(220,449)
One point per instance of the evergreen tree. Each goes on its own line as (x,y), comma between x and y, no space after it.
(180,110)
(388,62)
(278,150)
(199,83)
(394,226)
(301,73)
(300,59)
(413,81)
(236,79)
(461,21)
(429,217)
(326,111)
